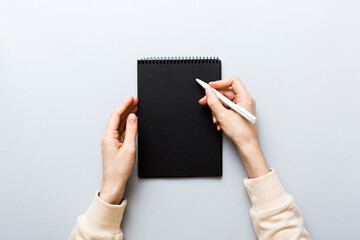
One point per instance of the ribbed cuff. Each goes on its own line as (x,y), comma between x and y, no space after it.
(105,217)
(266,191)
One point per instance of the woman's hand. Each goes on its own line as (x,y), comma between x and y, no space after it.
(242,132)
(118,151)
(236,127)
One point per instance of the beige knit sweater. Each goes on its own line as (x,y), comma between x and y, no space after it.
(274,214)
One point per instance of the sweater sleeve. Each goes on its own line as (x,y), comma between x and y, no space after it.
(101,221)
(274,213)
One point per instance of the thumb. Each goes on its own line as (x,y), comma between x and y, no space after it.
(131,130)
(214,103)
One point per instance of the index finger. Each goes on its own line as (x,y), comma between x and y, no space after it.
(114,120)
(233,82)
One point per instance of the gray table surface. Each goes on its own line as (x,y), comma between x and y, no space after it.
(65,65)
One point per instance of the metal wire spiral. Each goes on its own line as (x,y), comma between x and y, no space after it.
(177,60)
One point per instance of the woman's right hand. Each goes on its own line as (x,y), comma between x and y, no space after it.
(236,127)
(241,131)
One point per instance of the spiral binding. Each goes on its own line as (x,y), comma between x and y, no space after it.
(178,60)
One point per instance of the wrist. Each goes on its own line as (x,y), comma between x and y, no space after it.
(253,159)
(112,193)
(248,146)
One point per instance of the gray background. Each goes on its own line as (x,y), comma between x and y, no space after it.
(65,65)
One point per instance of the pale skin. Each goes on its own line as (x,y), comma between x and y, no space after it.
(119,148)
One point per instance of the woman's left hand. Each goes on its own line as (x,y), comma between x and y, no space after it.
(118,151)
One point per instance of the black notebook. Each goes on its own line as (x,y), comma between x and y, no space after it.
(176,136)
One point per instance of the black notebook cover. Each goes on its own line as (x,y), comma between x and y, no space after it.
(176,136)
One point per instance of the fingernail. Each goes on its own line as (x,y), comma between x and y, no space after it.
(208,92)
(214,119)
(132,118)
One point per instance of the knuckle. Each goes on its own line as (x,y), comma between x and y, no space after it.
(114,114)
(116,135)
(129,149)
(104,141)
(210,103)
(131,131)
(250,99)
(213,105)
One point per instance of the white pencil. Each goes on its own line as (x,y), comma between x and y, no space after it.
(240,110)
